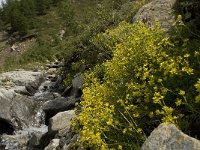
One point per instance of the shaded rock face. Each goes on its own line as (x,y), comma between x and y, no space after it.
(168,137)
(6,127)
(52,107)
(161,10)
(77,84)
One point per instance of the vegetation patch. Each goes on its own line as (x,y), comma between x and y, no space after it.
(151,78)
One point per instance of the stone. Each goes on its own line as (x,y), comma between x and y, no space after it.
(57,82)
(70,145)
(72,101)
(77,85)
(20,78)
(25,138)
(23,110)
(53,145)
(61,122)
(32,87)
(52,107)
(67,91)
(161,10)
(15,142)
(35,138)
(66,139)
(78,81)
(17,110)
(168,137)
(52,71)
(14,47)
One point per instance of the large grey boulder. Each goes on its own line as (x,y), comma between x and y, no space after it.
(19,78)
(161,10)
(61,122)
(17,110)
(168,137)
(22,82)
(52,107)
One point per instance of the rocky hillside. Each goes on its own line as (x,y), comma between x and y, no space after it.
(100,75)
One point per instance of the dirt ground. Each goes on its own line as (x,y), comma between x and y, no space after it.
(12,49)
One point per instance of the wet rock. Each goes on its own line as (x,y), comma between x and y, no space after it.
(52,107)
(57,82)
(32,87)
(61,122)
(22,138)
(45,140)
(15,142)
(168,137)
(23,110)
(161,10)
(18,110)
(53,145)
(36,137)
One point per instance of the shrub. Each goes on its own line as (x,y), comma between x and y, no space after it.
(149,80)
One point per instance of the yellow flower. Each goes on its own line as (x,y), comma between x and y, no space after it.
(178,102)
(182,93)
(119,147)
(151,114)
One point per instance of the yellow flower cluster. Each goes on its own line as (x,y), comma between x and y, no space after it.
(140,86)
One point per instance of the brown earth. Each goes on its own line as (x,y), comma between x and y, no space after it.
(6,45)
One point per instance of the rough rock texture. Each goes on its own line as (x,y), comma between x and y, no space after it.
(77,85)
(19,78)
(15,142)
(17,110)
(53,145)
(52,107)
(161,10)
(36,136)
(22,82)
(23,138)
(61,122)
(70,144)
(168,137)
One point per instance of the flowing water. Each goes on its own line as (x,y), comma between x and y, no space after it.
(19,139)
